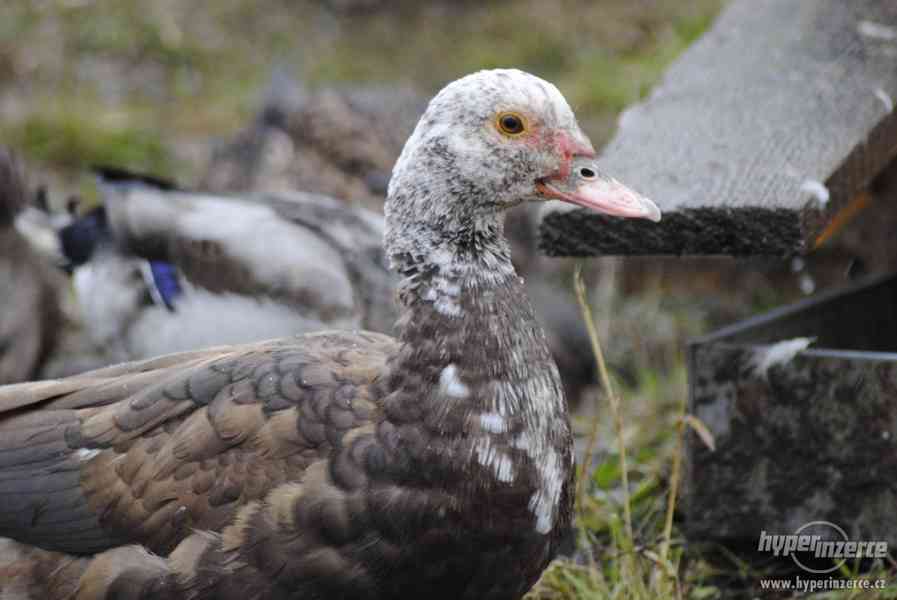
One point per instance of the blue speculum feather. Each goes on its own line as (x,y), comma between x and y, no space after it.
(163,282)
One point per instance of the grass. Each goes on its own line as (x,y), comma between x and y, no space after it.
(59,137)
(628,543)
(623,471)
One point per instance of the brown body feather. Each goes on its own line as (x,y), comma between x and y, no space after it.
(148,451)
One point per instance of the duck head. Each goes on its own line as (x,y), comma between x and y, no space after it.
(489,141)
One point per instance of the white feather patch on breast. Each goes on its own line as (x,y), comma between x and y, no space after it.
(488,455)
(493,423)
(536,442)
(451,385)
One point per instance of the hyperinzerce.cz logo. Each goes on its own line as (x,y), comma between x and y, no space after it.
(820,546)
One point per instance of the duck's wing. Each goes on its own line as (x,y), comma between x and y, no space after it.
(357,233)
(146,452)
(229,244)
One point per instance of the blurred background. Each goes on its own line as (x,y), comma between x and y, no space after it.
(149,85)
(237,95)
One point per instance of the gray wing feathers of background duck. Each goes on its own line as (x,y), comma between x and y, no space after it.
(309,252)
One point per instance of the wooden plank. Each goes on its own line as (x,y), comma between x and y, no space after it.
(812,437)
(760,138)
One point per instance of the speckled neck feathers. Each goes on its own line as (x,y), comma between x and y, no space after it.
(474,366)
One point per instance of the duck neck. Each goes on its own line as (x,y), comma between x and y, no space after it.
(464,308)
(475,368)
(438,263)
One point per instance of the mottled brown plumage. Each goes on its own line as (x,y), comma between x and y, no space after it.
(147,451)
(340,465)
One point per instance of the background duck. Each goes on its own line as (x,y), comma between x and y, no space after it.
(157,269)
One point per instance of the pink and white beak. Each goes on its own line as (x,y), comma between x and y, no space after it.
(578,181)
(600,193)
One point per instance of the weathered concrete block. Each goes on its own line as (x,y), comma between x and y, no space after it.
(801,435)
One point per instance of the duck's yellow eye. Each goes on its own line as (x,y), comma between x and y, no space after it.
(511,123)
